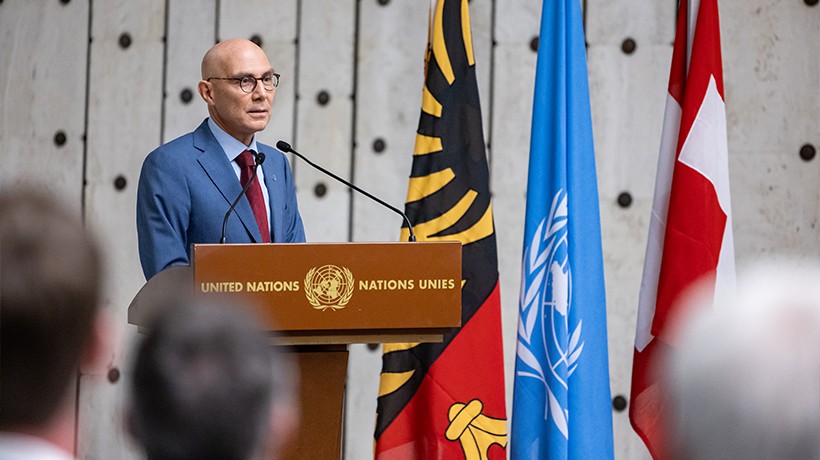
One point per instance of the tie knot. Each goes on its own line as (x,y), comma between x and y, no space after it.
(246,159)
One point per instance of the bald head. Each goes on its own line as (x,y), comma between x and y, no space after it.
(215,60)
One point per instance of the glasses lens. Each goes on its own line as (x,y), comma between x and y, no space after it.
(269,82)
(248,84)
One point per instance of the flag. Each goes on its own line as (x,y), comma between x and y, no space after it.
(690,231)
(561,398)
(446,400)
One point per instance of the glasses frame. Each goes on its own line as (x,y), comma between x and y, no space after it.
(255,81)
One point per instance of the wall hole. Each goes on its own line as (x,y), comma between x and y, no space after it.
(120,182)
(628,46)
(186,95)
(125,40)
(379,145)
(808,152)
(323,98)
(320,189)
(619,403)
(60,138)
(625,200)
(113,375)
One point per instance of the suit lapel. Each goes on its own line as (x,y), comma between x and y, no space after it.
(219,170)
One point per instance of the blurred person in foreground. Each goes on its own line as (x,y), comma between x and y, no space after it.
(208,384)
(50,323)
(745,383)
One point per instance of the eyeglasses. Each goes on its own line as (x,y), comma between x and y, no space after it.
(248,83)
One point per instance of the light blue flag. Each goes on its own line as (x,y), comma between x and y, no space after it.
(561,404)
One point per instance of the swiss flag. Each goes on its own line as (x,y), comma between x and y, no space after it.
(690,232)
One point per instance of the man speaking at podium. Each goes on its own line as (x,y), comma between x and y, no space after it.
(188,185)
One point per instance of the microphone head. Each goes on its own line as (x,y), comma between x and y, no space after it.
(260,158)
(283,146)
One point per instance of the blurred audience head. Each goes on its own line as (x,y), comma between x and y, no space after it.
(207,384)
(745,383)
(50,282)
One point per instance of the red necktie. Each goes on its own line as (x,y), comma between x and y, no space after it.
(246,163)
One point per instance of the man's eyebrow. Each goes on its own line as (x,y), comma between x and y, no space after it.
(248,74)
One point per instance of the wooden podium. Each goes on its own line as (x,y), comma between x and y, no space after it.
(318,298)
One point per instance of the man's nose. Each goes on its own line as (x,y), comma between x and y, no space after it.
(259,91)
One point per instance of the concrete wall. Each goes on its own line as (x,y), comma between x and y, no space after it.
(88,88)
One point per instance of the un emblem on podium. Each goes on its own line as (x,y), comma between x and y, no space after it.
(328,286)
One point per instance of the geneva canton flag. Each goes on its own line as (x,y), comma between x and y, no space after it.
(446,400)
(561,403)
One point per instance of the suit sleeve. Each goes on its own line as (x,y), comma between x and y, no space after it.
(163,214)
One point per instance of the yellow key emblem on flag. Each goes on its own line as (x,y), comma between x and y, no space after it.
(476,431)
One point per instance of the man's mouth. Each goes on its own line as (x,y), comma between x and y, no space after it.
(258,113)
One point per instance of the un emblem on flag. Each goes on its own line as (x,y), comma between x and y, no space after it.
(328,286)
(550,342)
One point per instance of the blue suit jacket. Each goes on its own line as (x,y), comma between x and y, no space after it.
(185,188)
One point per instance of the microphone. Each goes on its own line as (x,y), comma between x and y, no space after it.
(260,158)
(285,147)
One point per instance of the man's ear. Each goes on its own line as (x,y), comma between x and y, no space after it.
(205,91)
(99,351)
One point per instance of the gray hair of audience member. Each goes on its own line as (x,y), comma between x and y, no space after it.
(206,385)
(745,383)
(50,282)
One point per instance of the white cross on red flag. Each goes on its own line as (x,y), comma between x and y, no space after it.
(690,231)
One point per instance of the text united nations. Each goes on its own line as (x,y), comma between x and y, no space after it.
(363,285)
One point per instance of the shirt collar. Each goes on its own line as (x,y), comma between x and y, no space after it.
(230,145)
